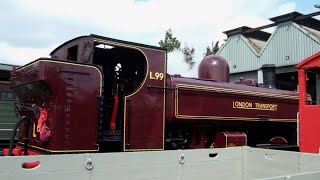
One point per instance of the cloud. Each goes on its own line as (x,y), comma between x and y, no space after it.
(177,65)
(127,15)
(21,55)
(32,27)
(283,9)
(22,27)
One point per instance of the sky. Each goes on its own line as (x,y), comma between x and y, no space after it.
(30,29)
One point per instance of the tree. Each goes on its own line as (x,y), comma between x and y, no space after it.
(209,52)
(188,54)
(214,49)
(170,43)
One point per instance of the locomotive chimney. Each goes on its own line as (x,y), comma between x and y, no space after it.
(269,75)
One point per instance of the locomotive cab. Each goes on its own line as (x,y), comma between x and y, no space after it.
(124,68)
(124,72)
(92,95)
(309,124)
(132,115)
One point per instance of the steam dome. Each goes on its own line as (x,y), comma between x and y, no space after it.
(215,68)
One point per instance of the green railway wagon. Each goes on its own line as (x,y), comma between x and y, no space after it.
(8,115)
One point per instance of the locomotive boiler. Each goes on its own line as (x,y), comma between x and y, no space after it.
(97,94)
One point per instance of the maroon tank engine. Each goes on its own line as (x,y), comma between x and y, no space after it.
(101,94)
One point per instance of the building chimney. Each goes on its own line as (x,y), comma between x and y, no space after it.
(269,75)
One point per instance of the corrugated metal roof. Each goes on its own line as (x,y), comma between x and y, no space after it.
(288,45)
(312,31)
(260,35)
(257,44)
(240,55)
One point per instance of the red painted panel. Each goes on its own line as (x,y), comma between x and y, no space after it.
(198,99)
(309,129)
(309,122)
(226,106)
(230,139)
(144,121)
(69,92)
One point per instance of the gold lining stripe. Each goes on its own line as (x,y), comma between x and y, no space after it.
(235,91)
(125,45)
(137,150)
(179,116)
(255,109)
(233,118)
(60,151)
(164,99)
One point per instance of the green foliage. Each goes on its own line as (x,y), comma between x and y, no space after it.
(188,54)
(209,52)
(213,50)
(170,43)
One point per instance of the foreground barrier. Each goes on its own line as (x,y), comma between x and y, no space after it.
(227,163)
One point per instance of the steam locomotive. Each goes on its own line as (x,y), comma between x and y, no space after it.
(98,94)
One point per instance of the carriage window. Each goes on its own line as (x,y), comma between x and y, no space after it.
(125,68)
(73,53)
(5,96)
(317,87)
(312,84)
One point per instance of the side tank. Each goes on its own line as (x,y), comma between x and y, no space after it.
(211,98)
(194,99)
